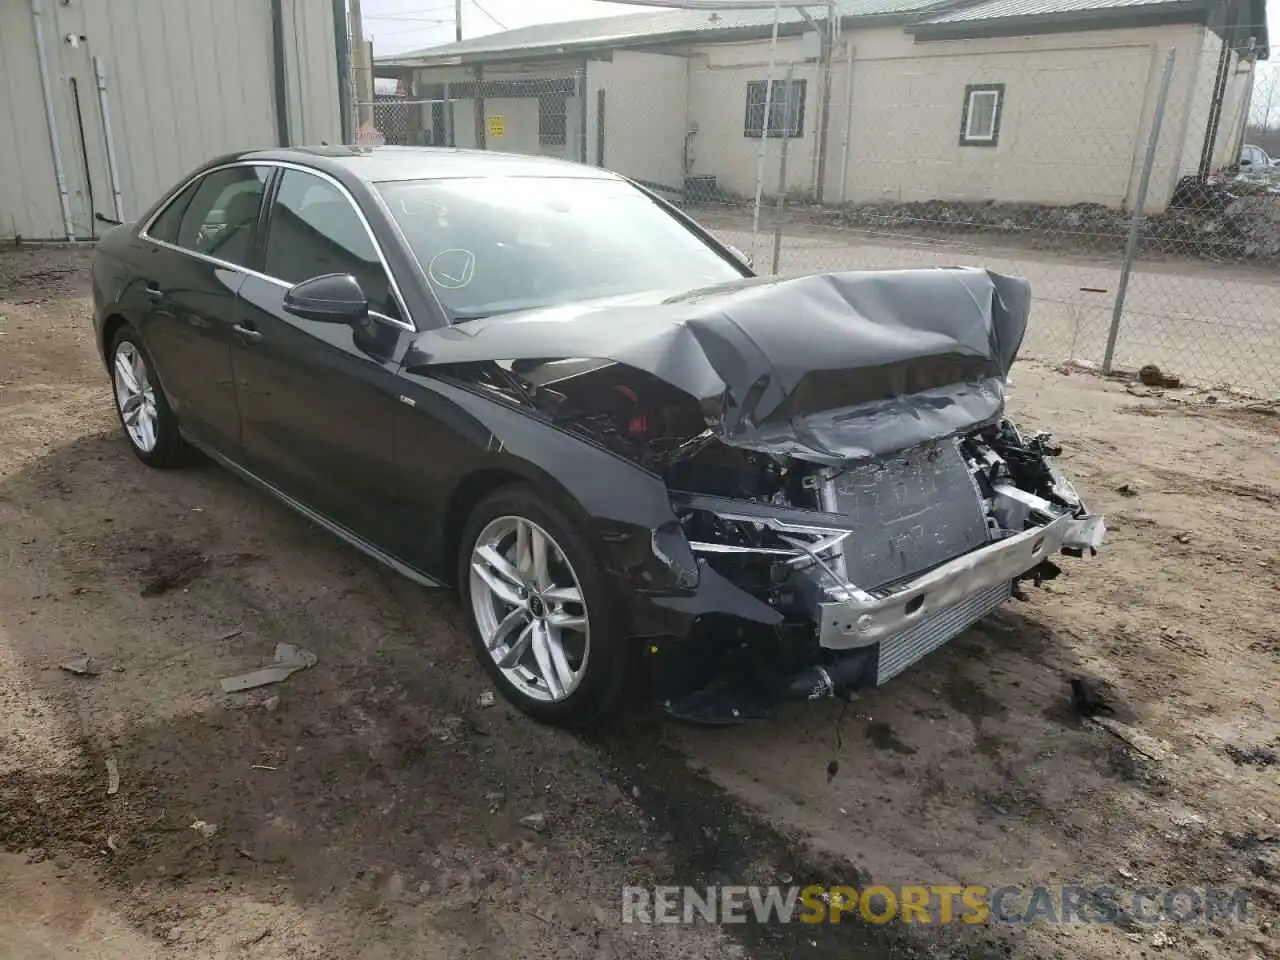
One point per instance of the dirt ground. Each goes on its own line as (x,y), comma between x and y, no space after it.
(371,806)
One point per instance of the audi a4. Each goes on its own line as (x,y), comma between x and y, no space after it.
(541,384)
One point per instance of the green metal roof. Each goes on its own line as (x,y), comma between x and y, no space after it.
(642,28)
(1017,17)
(1000,9)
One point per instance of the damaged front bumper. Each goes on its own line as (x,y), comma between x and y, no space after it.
(947,517)
(856,618)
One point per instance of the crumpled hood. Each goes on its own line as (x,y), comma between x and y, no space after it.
(830,367)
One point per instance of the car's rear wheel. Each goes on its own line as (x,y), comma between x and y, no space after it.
(541,618)
(148,421)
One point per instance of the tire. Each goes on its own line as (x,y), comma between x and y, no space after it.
(596,693)
(167,447)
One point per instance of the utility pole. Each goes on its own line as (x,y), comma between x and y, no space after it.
(457,20)
(362,67)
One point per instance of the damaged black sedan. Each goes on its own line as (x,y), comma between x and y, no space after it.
(543,385)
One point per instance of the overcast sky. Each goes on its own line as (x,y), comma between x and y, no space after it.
(399,25)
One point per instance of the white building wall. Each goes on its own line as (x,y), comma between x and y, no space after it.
(646,99)
(718,78)
(1075,117)
(1075,111)
(187,80)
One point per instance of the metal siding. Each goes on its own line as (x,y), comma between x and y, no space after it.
(28,190)
(205,67)
(163,135)
(129,98)
(186,80)
(86,162)
(248,40)
(312,77)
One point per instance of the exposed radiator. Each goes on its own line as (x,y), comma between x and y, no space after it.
(900,651)
(909,513)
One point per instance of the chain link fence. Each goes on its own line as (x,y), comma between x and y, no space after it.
(1107,174)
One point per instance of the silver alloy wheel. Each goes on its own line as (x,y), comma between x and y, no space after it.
(529,608)
(135,396)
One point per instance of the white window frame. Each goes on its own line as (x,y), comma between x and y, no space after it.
(970,137)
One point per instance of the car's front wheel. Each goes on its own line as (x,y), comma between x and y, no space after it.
(541,618)
(148,421)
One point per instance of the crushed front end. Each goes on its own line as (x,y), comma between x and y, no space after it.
(847,493)
(877,564)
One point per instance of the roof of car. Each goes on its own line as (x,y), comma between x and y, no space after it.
(376,164)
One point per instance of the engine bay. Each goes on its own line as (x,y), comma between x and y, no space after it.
(868,524)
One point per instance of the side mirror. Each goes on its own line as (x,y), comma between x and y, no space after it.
(1246,162)
(745,258)
(332,298)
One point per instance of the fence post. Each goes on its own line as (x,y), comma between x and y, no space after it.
(764,124)
(450,140)
(1139,207)
(582,113)
(780,204)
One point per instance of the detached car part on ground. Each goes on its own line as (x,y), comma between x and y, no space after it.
(542,384)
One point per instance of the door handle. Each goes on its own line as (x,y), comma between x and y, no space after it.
(153,291)
(247,334)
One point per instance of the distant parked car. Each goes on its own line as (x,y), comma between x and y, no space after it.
(1254,158)
(1256,164)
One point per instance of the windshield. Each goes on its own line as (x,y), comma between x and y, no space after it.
(497,244)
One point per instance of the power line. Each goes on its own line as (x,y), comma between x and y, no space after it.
(405,18)
(476,4)
(415,9)
(406,31)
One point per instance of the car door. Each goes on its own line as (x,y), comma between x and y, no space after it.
(191,269)
(317,399)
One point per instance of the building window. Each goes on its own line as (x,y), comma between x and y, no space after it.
(786,109)
(980,119)
(552,113)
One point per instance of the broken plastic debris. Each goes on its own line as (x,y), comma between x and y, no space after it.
(534,821)
(485,699)
(81,666)
(205,830)
(288,661)
(113,777)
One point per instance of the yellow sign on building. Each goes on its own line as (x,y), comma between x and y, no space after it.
(497,125)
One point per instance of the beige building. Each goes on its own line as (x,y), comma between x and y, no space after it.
(106,103)
(1037,101)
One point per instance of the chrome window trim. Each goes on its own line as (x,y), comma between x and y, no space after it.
(144,234)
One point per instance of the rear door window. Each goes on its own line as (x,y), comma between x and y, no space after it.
(222,214)
(165,226)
